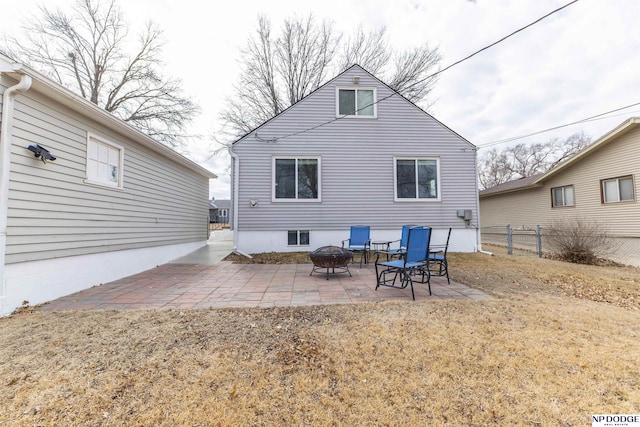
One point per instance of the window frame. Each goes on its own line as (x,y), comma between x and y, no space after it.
(357,88)
(119,185)
(298,239)
(617,179)
(563,188)
(223,212)
(296,199)
(416,199)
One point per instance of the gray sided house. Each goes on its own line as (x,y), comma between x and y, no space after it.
(353,152)
(219,211)
(600,183)
(114,202)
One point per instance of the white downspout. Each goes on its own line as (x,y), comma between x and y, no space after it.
(5,163)
(478,229)
(236,181)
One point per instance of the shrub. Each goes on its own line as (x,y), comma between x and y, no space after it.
(578,240)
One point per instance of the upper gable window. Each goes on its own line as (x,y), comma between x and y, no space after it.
(356,102)
(104,163)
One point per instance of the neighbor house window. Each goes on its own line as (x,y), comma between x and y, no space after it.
(562,196)
(298,238)
(356,102)
(296,178)
(618,189)
(417,178)
(223,212)
(104,162)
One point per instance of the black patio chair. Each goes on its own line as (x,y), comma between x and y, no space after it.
(438,265)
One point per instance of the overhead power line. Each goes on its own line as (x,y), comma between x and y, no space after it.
(274,139)
(492,44)
(588,119)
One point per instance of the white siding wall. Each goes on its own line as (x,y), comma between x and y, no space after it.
(53,213)
(356,167)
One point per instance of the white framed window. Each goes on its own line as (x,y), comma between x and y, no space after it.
(298,238)
(416,178)
(223,212)
(617,190)
(356,102)
(105,161)
(562,196)
(296,179)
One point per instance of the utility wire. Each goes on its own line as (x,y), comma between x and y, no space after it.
(492,44)
(425,78)
(588,119)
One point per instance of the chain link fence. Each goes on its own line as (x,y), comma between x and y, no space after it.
(530,241)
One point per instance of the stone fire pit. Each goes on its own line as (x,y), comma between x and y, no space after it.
(331,258)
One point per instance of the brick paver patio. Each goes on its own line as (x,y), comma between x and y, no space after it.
(248,285)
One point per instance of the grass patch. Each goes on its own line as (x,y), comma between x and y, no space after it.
(540,353)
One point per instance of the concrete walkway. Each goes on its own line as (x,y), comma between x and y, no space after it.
(202,280)
(219,246)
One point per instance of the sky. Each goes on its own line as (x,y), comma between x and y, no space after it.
(578,63)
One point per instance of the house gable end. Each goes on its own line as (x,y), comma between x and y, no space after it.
(317,111)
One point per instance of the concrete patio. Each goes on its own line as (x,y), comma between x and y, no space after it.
(202,280)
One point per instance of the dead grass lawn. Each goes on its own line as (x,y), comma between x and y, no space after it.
(559,342)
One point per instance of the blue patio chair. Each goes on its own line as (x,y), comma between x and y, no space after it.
(438,265)
(402,243)
(359,241)
(400,273)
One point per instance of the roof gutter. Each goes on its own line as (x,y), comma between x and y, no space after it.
(5,163)
(77,103)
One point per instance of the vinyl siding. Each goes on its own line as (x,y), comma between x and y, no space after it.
(619,157)
(357,165)
(54,213)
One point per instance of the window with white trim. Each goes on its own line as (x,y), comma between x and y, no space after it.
(417,178)
(356,102)
(617,190)
(562,196)
(298,237)
(296,178)
(223,212)
(104,162)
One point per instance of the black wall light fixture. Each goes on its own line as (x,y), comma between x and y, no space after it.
(42,153)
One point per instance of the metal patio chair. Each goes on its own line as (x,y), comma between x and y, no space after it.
(359,241)
(400,273)
(402,243)
(438,265)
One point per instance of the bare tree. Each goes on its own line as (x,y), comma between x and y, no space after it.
(86,52)
(369,50)
(278,71)
(493,169)
(523,160)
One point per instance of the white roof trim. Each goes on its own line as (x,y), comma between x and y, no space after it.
(603,140)
(75,102)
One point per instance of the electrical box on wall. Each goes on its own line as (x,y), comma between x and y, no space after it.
(465,214)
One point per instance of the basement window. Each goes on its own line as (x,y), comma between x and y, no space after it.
(298,237)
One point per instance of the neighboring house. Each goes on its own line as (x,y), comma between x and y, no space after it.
(353,152)
(219,211)
(602,183)
(113,203)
